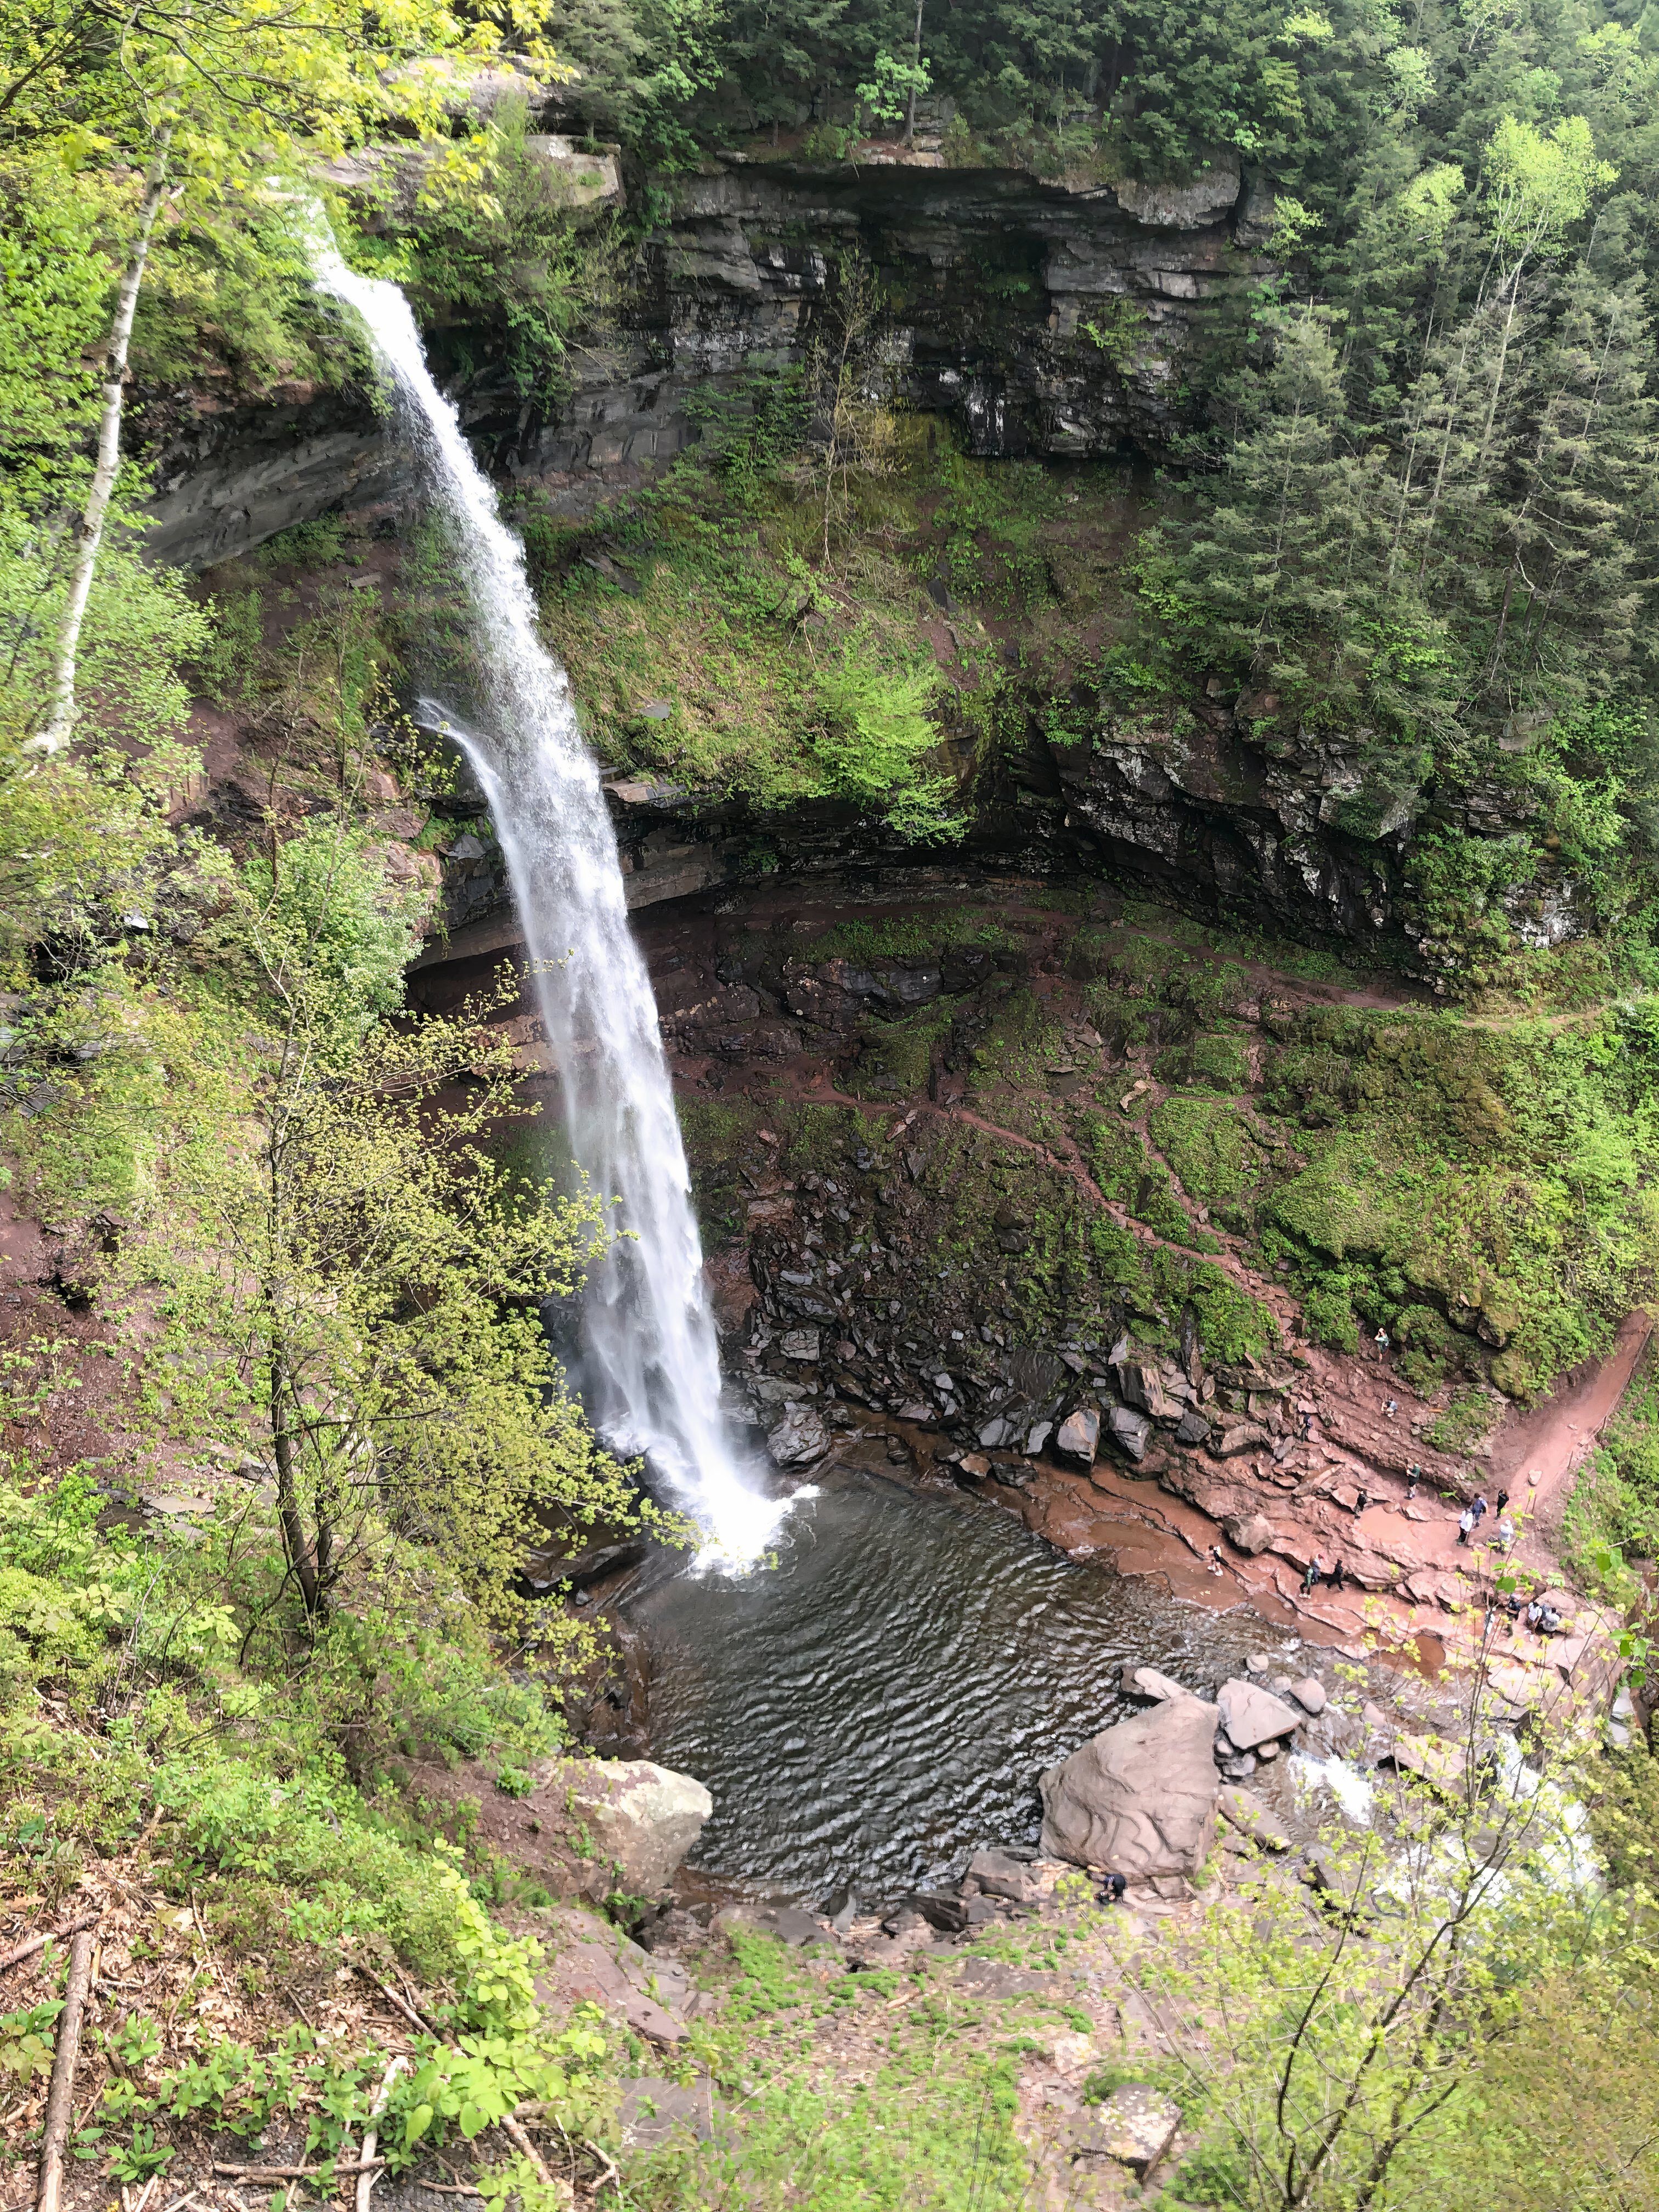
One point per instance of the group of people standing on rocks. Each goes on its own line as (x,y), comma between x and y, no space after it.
(1336,1577)
(1471,1515)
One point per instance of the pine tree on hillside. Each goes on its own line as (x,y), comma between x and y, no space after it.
(1577,531)
(1284,540)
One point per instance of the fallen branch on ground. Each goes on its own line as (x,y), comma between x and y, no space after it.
(609,2163)
(414,2019)
(517,2136)
(60,2097)
(371,2133)
(295,2173)
(15,1957)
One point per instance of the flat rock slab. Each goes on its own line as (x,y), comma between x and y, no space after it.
(1242,1437)
(1137,1799)
(1133,2127)
(593,1963)
(1147,1682)
(1443,1767)
(1252,1715)
(788,1923)
(994,1977)
(654,2111)
(997,1875)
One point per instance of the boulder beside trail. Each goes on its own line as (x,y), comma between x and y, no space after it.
(1135,2127)
(590,1962)
(1139,1798)
(998,1875)
(1080,1435)
(1131,1431)
(585,1828)
(1253,1533)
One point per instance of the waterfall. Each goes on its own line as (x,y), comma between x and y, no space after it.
(652,1370)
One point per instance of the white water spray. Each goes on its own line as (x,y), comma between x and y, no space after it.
(655,1385)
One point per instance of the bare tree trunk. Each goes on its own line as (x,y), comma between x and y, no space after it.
(59,728)
(1453,400)
(915,63)
(301,1555)
(1503,359)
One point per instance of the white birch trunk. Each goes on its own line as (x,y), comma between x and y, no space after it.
(915,63)
(60,727)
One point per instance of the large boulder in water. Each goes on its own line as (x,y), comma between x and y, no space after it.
(584,1828)
(1137,1799)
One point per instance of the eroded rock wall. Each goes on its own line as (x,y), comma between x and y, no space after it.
(1048,319)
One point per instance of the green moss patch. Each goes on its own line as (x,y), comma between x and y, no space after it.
(1207,1144)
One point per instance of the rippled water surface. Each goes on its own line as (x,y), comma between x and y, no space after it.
(879,1703)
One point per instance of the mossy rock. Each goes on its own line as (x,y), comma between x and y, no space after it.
(1156,1204)
(1217,1060)
(1465,1424)
(1115,1154)
(1208,1145)
(895,1058)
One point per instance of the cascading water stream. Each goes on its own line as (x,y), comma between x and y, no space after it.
(654,1378)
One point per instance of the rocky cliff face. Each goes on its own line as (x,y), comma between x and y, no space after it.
(1050,319)
(1300,837)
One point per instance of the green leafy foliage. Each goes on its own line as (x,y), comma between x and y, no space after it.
(878,740)
(500,250)
(1479,1171)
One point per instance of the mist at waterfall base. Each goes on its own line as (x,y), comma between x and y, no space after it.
(650,1361)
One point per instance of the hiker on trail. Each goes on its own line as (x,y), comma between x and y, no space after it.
(1391,1408)
(1503,1499)
(1412,1474)
(1361,1500)
(1506,1532)
(1382,1340)
(1465,1526)
(1339,1574)
(1215,1559)
(1112,1887)
(1310,1580)
(1481,1508)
